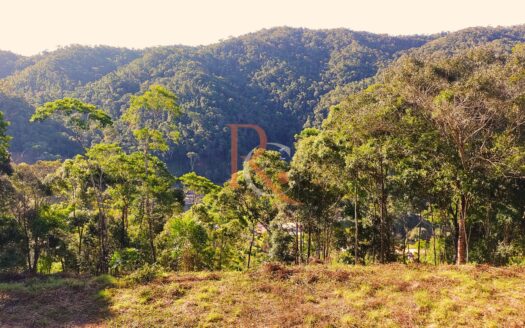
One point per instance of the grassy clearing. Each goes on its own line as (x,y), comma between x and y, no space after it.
(275,296)
(55,301)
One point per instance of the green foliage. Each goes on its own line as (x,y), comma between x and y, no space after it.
(126,260)
(78,114)
(32,222)
(156,99)
(152,117)
(9,63)
(273,78)
(198,184)
(185,245)
(432,141)
(4,146)
(428,139)
(281,246)
(277,78)
(32,142)
(145,274)
(80,118)
(12,246)
(51,75)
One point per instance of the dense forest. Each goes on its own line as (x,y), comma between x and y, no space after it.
(280,79)
(407,149)
(273,78)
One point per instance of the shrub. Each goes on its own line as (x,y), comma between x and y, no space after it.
(145,274)
(277,271)
(185,245)
(125,261)
(281,246)
(12,257)
(509,254)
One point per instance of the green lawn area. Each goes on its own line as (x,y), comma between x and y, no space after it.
(276,296)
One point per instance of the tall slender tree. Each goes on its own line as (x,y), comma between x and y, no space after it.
(152,118)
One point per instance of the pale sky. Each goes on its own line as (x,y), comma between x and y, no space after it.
(31,26)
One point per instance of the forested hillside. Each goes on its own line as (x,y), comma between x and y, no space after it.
(9,63)
(446,44)
(273,78)
(280,78)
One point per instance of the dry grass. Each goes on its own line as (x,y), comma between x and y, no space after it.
(276,296)
(55,302)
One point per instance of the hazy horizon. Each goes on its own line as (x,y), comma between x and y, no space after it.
(240,35)
(45,26)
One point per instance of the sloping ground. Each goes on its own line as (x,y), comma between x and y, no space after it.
(55,302)
(318,296)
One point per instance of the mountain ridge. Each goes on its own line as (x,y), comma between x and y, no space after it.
(280,78)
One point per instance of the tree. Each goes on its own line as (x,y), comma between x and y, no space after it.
(185,245)
(4,146)
(475,101)
(315,183)
(193,157)
(354,158)
(152,117)
(198,184)
(29,205)
(12,246)
(71,183)
(84,122)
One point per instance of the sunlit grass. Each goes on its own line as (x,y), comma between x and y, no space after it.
(316,296)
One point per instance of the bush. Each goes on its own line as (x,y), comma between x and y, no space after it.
(276,271)
(145,274)
(45,264)
(509,254)
(12,258)
(125,261)
(185,245)
(281,249)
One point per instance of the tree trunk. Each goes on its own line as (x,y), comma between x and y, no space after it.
(462,232)
(297,236)
(152,240)
(442,251)
(220,251)
(124,232)
(468,241)
(381,233)
(328,241)
(251,245)
(435,254)
(301,244)
(318,243)
(28,254)
(80,236)
(405,243)
(356,226)
(419,239)
(147,206)
(36,256)
(309,246)
(103,266)
(384,227)
(103,250)
(455,224)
